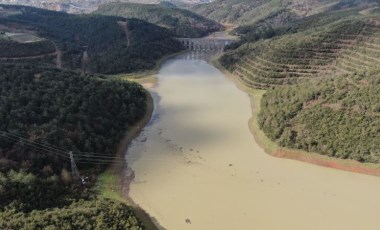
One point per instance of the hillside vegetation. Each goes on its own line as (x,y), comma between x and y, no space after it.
(317,46)
(92,43)
(80,113)
(239,11)
(181,22)
(28,202)
(320,66)
(44,114)
(338,117)
(248,12)
(101,214)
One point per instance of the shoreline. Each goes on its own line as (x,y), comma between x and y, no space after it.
(272,149)
(147,74)
(114,183)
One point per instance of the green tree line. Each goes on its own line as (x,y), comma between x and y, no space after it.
(338,117)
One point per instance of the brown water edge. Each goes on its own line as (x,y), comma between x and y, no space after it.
(274,150)
(122,182)
(124,175)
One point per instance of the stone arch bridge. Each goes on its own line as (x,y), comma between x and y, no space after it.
(205,44)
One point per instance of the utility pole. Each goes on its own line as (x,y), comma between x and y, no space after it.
(74,169)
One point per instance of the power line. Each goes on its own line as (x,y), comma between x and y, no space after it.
(102,163)
(80,157)
(31,145)
(59,149)
(34,143)
(50,147)
(41,148)
(45,144)
(36,149)
(96,156)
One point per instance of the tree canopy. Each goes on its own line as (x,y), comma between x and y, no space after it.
(338,117)
(42,107)
(92,43)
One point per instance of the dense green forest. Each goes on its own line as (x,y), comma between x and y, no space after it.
(181,22)
(29,202)
(15,49)
(44,113)
(80,113)
(99,214)
(113,44)
(338,116)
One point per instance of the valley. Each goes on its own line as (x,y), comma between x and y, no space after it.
(225,114)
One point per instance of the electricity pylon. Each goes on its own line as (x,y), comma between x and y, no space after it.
(74,169)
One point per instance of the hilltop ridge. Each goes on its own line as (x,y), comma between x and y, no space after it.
(91,43)
(87,6)
(181,22)
(248,12)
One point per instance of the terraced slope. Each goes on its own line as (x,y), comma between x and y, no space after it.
(321,73)
(344,47)
(361,53)
(248,12)
(240,11)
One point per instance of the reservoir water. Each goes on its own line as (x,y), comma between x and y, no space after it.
(197,166)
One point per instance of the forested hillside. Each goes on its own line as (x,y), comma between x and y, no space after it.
(338,116)
(80,113)
(320,66)
(44,114)
(92,43)
(181,22)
